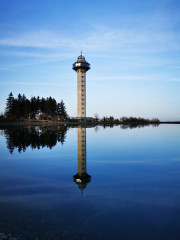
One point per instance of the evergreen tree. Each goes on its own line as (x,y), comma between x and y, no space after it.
(38,105)
(42,104)
(62,109)
(33,107)
(58,110)
(9,106)
(21,107)
(27,108)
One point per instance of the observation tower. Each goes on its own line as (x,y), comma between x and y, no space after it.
(81,67)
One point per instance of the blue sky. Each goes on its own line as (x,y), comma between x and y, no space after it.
(133,47)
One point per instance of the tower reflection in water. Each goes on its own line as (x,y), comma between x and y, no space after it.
(82,178)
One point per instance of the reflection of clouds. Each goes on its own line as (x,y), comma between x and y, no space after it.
(175,172)
(175,159)
(1,133)
(44,193)
(130,194)
(143,161)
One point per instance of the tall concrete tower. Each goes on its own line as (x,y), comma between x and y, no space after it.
(81,67)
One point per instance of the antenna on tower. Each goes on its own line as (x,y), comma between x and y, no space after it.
(81,52)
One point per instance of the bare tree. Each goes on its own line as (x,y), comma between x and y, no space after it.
(96,116)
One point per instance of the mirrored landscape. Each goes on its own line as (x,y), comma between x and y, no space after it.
(61,182)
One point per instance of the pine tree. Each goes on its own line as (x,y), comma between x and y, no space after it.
(19,106)
(62,109)
(9,106)
(33,107)
(42,104)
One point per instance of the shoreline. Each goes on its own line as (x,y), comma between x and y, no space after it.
(46,123)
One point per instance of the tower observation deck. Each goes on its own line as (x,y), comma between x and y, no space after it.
(81,66)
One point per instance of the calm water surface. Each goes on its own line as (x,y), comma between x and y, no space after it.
(93,183)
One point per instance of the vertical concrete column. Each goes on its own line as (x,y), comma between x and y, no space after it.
(81,93)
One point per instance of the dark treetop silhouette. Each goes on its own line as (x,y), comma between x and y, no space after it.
(21,107)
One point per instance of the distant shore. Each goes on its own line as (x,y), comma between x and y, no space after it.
(45,123)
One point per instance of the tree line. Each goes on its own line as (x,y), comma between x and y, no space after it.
(125,120)
(36,107)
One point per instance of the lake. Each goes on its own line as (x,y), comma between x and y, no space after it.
(90,183)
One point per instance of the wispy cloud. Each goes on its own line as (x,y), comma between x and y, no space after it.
(40,39)
(45,84)
(119,78)
(36,54)
(98,39)
(176,67)
(40,60)
(132,48)
(135,78)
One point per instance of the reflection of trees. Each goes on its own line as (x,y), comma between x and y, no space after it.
(35,137)
(128,125)
(136,125)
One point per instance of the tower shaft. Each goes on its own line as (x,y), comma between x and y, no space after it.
(81,93)
(81,66)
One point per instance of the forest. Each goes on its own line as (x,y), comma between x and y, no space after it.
(34,108)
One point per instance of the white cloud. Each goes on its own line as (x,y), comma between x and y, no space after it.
(46,84)
(130,47)
(40,39)
(177,67)
(135,78)
(99,39)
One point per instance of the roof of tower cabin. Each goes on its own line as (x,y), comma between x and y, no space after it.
(81,58)
(81,63)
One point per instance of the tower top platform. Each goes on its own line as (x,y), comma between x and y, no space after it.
(81,63)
